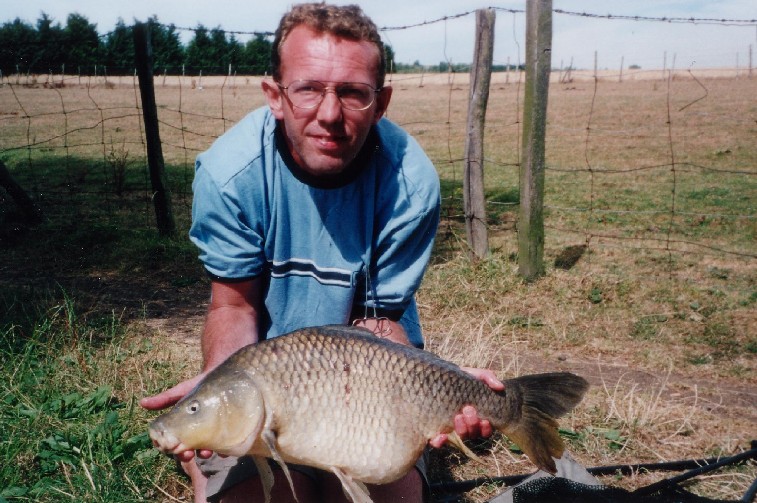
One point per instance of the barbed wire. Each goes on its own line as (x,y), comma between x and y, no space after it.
(189,134)
(661,19)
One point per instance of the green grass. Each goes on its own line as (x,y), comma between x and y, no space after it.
(71,429)
(83,294)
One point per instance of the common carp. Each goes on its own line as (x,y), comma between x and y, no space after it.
(343,400)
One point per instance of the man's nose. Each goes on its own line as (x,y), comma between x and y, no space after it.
(330,109)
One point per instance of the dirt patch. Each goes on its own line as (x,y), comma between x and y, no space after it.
(725,397)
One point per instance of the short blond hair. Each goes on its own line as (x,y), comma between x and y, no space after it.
(346,21)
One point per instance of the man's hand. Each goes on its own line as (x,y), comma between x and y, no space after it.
(168,398)
(467,423)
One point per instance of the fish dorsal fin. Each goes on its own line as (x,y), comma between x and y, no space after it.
(269,437)
(455,440)
(266,476)
(355,490)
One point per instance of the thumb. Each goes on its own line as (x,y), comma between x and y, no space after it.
(170,396)
(487,376)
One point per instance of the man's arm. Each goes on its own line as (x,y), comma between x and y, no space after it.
(231,322)
(384,327)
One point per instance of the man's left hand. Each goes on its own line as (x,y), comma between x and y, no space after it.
(467,423)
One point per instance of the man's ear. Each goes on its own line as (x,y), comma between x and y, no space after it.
(275,98)
(382,102)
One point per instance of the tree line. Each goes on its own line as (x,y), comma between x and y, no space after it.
(77,48)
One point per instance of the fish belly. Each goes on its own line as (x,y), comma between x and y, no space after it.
(352,405)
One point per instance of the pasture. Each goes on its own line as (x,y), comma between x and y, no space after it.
(656,177)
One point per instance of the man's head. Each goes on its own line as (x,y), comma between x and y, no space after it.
(331,54)
(344,21)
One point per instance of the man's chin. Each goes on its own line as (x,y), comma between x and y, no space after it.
(326,166)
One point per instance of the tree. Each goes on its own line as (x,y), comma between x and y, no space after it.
(198,52)
(389,51)
(256,56)
(50,51)
(219,51)
(18,46)
(119,49)
(234,52)
(167,49)
(81,43)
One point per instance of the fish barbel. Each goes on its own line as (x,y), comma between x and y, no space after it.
(340,399)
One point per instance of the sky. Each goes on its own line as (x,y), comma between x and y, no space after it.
(576,39)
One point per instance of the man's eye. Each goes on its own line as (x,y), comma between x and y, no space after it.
(308,89)
(351,92)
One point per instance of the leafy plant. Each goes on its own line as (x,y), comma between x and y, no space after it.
(73,436)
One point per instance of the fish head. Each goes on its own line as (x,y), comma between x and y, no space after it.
(224,413)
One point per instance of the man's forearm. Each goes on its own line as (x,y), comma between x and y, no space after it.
(232,320)
(383,327)
(226,330)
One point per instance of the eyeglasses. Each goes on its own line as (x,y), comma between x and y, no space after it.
(309,94)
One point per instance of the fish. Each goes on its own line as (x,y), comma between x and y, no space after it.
(341,399)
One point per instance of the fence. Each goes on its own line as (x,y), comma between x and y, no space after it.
(642,161)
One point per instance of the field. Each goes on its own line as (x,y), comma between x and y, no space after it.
(656,177)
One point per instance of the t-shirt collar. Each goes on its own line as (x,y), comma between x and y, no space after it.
(346,177)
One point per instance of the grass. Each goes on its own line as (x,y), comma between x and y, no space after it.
(71,428)
(98,311)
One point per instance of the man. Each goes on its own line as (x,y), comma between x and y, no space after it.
(311,211)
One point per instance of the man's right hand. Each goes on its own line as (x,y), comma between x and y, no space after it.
(168,398)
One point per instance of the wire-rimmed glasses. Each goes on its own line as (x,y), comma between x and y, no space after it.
(308,94)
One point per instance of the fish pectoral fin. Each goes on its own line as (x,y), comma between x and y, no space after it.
(266,476)
(455,440)
(269,437)
(354,489)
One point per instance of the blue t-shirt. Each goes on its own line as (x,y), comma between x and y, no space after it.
(325,245)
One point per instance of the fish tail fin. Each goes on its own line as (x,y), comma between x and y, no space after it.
(534,403)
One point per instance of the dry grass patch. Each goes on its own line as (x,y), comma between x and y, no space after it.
(632,336)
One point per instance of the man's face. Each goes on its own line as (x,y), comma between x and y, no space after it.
(323,140)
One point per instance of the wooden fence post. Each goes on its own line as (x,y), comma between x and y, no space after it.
(161,194)
(31,212)
(538,62)
(473,178)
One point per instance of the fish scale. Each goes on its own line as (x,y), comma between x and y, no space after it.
(343,400)
(351,391)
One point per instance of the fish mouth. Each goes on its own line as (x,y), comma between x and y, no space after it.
(167,443)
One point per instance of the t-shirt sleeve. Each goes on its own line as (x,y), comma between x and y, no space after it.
(403,252)
(409,218)
(230,241)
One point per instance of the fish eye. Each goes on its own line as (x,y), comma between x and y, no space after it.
(193,406)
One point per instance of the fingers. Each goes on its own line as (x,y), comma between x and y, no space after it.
(487,376)
(170,396)
(469,425)
(186,456)
(438,441)
(204,453)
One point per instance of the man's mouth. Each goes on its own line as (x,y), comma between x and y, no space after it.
(329,142)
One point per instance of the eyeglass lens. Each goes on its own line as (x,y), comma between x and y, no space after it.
(310,93)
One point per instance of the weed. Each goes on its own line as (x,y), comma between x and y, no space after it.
(118,159)
(73,433)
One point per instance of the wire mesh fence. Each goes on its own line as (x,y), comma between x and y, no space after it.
(657,161)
